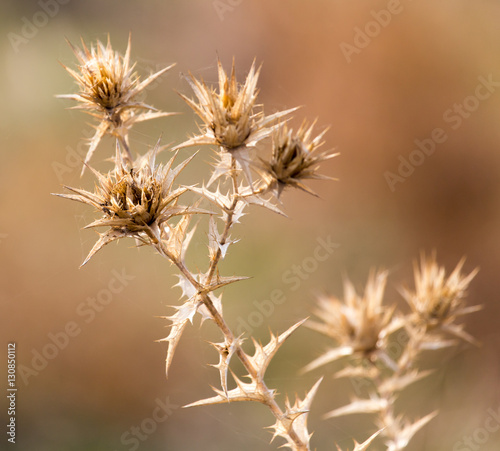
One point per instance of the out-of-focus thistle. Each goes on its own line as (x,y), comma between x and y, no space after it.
(384,345)
(109,90)
(231,119)
(295,157)
(135,202)
(359,324)
(437,302)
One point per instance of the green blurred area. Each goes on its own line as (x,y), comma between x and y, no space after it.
(378,100)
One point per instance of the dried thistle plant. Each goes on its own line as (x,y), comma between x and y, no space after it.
(231,119)
(135,203)
(437,302)
(109,90)
(141,199)
(294,158)
(362,328)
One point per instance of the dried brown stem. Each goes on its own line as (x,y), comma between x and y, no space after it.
(204,289)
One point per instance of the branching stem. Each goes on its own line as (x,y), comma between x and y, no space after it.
(203,292)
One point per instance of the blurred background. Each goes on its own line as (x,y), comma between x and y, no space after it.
(380,81)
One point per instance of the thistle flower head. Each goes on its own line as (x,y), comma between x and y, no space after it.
(359,322)
(134,202)
(109,89)
(230,117)
(294,158)
(437,300)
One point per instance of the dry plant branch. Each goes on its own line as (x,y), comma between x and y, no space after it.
(141,199)
(364,329)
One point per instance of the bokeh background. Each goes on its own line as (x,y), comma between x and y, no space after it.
(109,378)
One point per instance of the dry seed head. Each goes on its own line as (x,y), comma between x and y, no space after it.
(437,300)
(231,119)
(358,322)
(134,203)
(109,90)
(294,158)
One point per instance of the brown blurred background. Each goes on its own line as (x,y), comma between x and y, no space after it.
(109,377)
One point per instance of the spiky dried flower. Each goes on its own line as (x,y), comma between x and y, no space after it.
(359,324)
(134,202)
(231,119)
(437,300)
(109,90)
(295,157)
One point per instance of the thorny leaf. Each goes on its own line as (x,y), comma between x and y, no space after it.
(373,405)
(397,383)
(214,240)
(188,290)
(226,351)
(178,238)
(364,446)
(217,281)
(402,432)
(329,356)
(264,354)
(243,392)
(100,131)
(223,201)
(105,238)
(262,202)
(221,167)
(295,418)
(356,372)
(184,313)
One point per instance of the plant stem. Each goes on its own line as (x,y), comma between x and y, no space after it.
(203,292)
